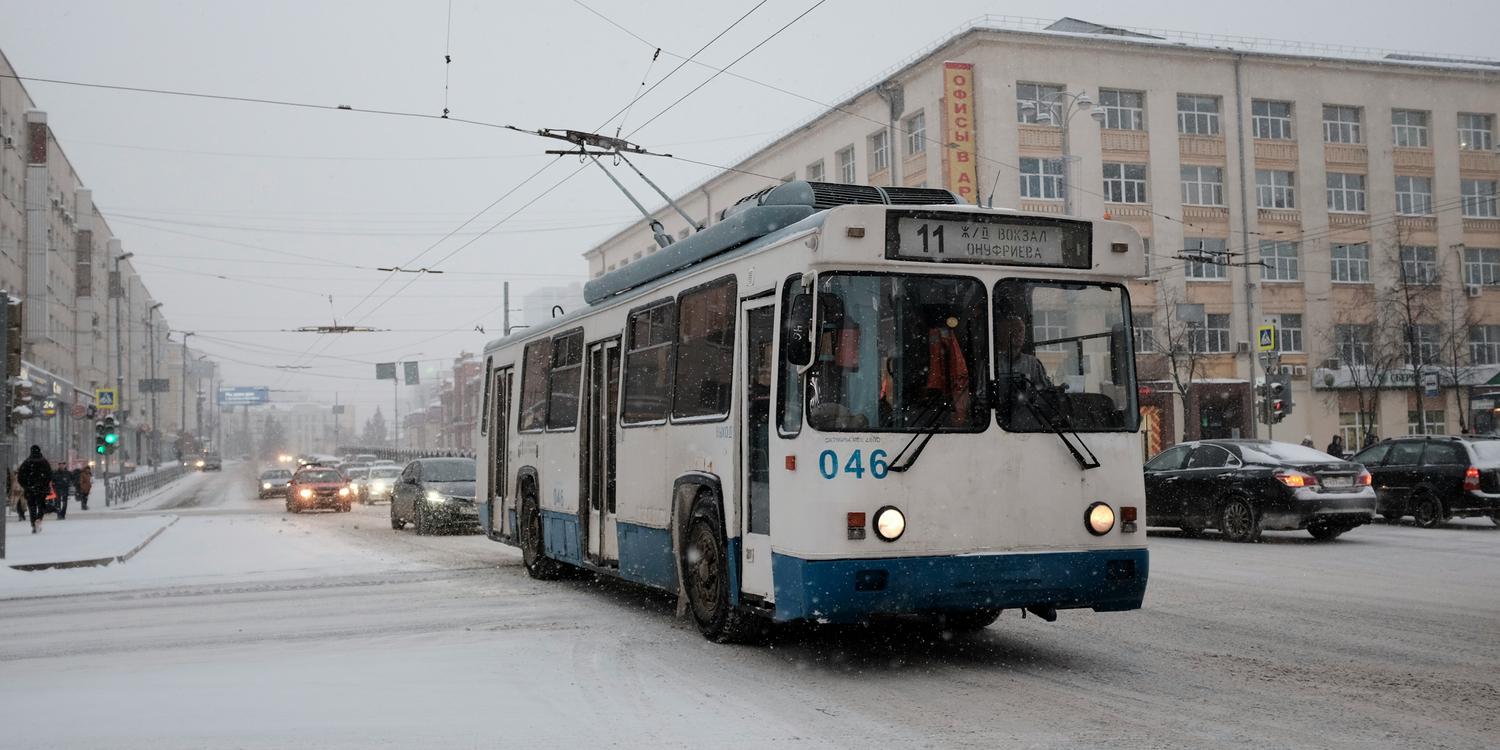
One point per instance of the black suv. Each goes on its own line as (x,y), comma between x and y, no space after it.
(1435,477)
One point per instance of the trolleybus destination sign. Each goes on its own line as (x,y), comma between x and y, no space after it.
(1001,240)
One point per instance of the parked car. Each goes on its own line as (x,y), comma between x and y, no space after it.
(273,483)
(1435,477)
(435,492)
(378,485)
(1242,487)
(318,487)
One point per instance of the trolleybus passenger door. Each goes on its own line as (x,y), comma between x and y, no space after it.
(755,447)
(499,446)
(597,442)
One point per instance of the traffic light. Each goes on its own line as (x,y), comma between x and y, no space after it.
(17,391)
(111,434)
(1278,396)
(100,445)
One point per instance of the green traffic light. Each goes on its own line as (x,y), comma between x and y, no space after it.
(100,449)
(111,438)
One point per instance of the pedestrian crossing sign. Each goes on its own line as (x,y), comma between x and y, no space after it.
(1265,338)
(106,399)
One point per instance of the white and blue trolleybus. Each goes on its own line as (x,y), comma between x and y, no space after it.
(839,402)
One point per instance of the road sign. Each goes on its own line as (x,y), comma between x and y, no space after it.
(385,370)
(411,373)
(154,385)
(244,395)
(1430,384)
(106,399)
(1265,338)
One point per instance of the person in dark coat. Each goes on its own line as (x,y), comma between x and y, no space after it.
(62,483)
(1336,446)
(35,477)
(84,481)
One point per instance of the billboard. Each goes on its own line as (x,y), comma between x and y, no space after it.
(960,169)
(385,371)
(411,373)
(244,395)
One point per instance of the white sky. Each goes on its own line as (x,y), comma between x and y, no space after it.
(182,179)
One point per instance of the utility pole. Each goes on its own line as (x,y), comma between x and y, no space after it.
(155,423)
(119,359)
(1247,182)
(182,415)
(505,306)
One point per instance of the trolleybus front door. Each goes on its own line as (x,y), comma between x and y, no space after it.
(755,435)
(499,446)
(597,452)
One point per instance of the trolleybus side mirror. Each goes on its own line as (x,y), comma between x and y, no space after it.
(796,344)
(1119,365)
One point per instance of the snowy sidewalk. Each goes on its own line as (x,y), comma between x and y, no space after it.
(79,542)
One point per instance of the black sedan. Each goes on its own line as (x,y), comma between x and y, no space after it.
(434,493)
(1242,487)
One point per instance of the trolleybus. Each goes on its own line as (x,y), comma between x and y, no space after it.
(837,403)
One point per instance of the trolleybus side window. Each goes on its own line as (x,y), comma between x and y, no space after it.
(484,407)
(567,371)
(899,353)
(789,403)
(1064,358)
(648,363)
(703,372)
(534,386)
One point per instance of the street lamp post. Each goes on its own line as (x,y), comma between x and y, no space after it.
(182,415)
(119,359)
(155,424)
(1071,103)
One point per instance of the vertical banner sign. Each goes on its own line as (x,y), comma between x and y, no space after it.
(960,170)
(410,369)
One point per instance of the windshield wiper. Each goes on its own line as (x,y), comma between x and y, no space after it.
(932,412)
(1056,422)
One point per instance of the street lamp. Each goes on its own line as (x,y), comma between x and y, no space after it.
(155,425)
(1060,108)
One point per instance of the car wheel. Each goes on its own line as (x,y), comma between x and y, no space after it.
(345,507)
(1326,533)
(396,523)
(1238,522)
(533,550)
(424,523)
(705,575)
(1427,511)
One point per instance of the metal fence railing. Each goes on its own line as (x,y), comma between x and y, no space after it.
(404,454)
(125,489)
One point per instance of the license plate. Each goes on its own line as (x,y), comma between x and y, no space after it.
(1338,482)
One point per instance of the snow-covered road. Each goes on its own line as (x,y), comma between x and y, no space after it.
(245,627)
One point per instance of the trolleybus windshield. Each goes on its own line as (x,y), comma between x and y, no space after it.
(899,353)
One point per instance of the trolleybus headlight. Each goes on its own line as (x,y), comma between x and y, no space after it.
(890,523)
(1099,519)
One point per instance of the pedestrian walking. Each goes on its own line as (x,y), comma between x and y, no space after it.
(85,485)
(1336,446)
(35,478)
(62,484)
(1307,441)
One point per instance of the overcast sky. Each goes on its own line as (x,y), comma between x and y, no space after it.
(200,189)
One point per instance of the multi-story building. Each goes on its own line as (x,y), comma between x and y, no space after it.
(87,311)
(303,427)
(1345,196)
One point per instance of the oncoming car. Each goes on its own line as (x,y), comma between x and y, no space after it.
(273,483)
(318,487)
(435,492)
(378,485)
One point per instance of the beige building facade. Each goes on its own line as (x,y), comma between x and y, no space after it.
(1346,197)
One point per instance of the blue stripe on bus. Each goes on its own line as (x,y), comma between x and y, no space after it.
(560,535)
(646,555)
(850,590)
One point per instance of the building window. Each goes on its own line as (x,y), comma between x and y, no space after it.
(648,363)
(1436,423)
(1275,189)
(1145,332)
(1124,183)
(815,171)
(704,366)
(1409,128)
(1197,115)
(1351,263)
(1479,199)
(1413,195)
(1475,132)
(1202,186)
(1354,426)
(1278,261)
(845,160)
(916,134)
(1482,266)
(567,375)
(1342,124)
(1123,110)
(1042,178)
(1424,336)
(880,150)
(1047,325)
(1206,270)
(1043,98)
(1419,264)
(1271,120)
(1484,345)
(1289,332)
(1210,336)
(1352,342)
(1346,193)
(536,359)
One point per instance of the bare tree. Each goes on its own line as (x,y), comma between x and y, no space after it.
(1412,302)
(1182,354)
(1455,363)
(1368,349)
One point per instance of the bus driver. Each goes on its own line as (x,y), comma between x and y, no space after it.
(1013,361)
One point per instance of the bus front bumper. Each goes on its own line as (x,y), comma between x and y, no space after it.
(1106,580)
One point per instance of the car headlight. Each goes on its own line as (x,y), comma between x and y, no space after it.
(343,492)
(1099,519)
(200,463)
(890,523)
(305,493)
(265,485)
(433,496)
(378,487)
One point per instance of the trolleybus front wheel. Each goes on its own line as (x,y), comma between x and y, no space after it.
(533,553)
(705,575)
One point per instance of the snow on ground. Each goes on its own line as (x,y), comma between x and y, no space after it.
(332,630)
(77,539)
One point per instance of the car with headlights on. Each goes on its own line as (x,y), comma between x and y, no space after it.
(318,487)
(1244,487)
(1435,477)
(433,493)
(378,484)
(273,483)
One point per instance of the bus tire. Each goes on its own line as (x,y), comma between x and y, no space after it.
(533,549)
(705,576)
